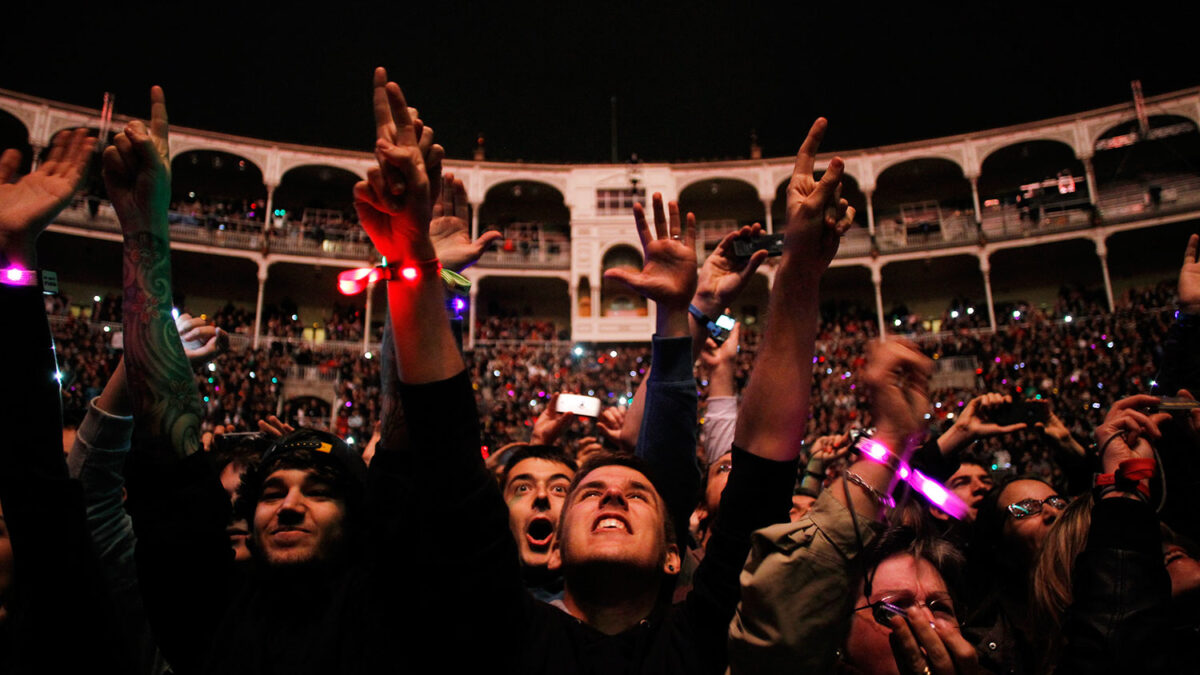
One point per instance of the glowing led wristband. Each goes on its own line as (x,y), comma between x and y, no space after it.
(935,492)
(16,276)
(352,282)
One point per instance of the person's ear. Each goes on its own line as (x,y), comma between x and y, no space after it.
(938,514)
(554,564)
(671,564)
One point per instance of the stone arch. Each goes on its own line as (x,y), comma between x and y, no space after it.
(850,191)
(1124,162)
(722,202)
(1005,169)
(316,186)
(617,299)
(918,196)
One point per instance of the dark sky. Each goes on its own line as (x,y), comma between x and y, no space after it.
(692,79)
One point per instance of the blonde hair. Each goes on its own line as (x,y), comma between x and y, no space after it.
(1051,588)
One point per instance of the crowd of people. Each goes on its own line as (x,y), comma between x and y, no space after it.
(808,498)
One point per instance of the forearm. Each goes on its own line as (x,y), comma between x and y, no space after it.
(632,429)
(774,413)
(667,438)
(166,403)
(425,347)
(115,399)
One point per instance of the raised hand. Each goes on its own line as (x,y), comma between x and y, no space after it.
(897,378)
(28,205)
(395,203)
(275,427)
(1189,277)
(610,424)
(972,423)
(137,171)
(817,216)
(723,275)
(214,341)
(668,275)
(450,229)
(1127,432)
(550,424)
(725,354)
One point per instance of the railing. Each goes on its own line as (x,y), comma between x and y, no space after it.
(313,373)
(542,257)
(933,229)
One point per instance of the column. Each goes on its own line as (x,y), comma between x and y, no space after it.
(985,267)
(473,293)
(870,212)
(769,222)
(877,279)
(1090,174)
(596,313)
(475,220)
(1102,253)
(367,316)
(270,219)
(263,265)
(36,149)
(975,199)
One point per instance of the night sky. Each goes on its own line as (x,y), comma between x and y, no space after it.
(692,79)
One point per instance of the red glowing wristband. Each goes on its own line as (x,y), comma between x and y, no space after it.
(352,282)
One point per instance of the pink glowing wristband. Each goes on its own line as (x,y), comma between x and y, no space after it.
(935,492)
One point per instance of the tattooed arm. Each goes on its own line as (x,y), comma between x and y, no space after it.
(179,510)
(137,174)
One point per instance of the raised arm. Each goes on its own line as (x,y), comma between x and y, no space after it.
(137,173)
(667,434)
(175,497)
(774,413)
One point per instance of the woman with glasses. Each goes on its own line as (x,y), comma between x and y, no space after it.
(1012,524)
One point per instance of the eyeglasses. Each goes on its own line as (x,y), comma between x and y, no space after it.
(1031,507)
(884,609)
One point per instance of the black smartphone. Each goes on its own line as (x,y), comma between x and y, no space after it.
(1028,411)
(771,243)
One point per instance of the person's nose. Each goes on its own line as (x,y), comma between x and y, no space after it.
(293,506)
(613,496)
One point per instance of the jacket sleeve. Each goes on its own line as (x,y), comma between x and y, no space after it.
(757,495)
(97,461)
(667,438)
(720,423)
(1118,621)
(798,592)
(437,491)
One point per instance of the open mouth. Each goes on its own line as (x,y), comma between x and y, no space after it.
(539,532)
(611,523)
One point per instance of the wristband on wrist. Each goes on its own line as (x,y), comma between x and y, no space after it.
(352,282)
(1127,478)
(43,279)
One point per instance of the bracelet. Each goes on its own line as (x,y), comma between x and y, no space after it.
(700,316)
(1103,446)
(814,474)
(882,498)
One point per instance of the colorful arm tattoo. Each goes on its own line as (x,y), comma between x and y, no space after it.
(165,399)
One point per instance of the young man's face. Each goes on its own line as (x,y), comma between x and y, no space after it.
(614,517)
(298,519)
(971,482)
(534,491)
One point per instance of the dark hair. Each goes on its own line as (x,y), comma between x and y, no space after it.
(602,459)
(987,561)
(898,540)
(242,451)
(551,453)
